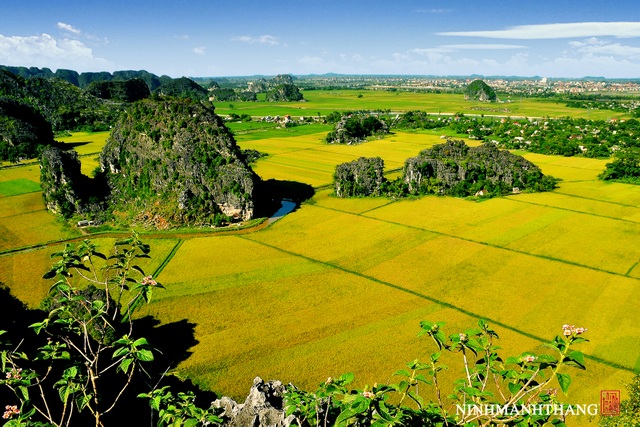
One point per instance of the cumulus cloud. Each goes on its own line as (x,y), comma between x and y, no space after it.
(46,51)
(200,50)
(68,27)
(556,31)
(264,39)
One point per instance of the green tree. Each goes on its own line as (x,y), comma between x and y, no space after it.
(91,347)
(625,167)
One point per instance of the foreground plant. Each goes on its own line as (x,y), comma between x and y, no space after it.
(518,391)
(91,353)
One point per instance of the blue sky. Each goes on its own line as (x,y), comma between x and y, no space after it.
(236,37)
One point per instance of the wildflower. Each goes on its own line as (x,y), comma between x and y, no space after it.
(463,337)
(529,358)
(368,394)
(568,330)
(329,380)
(14,374)
(10,410)
(148,280)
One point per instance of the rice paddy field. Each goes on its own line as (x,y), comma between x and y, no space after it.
(341,285)
(322,102)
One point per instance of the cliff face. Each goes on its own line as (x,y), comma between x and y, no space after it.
(362,177)
(174,160)
(59,175)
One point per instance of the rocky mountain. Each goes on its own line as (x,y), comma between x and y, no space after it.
(361,177)
(84,79)
(284,92)
(281,79)
(60,178)
(480,91)
(457,169)
(172,162)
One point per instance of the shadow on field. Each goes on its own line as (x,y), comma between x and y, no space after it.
(72,145)
(172,342)
(270,193)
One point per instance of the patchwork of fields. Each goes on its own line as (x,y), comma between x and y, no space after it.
(341,285)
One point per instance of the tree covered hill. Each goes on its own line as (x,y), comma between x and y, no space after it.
(479,90)
(354,128)
(452,168)
(22,131)
(121,91)
(63,105)
(168,162)
(456,169)
(182,88)
(85,79)
(173,161)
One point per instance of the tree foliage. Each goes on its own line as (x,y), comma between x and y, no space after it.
(625,167)
(356,128)
(91,352)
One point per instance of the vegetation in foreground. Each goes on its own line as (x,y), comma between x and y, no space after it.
(91,354)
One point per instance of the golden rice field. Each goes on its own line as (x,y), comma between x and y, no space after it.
(341,285)
(308,159)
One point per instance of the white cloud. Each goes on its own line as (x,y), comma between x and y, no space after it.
(481,46)
(591,57)
(68,27)
(200,50)
(595,46)
(46,51)
(556,31)
(264,39)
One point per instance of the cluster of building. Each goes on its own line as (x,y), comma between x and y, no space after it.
(524,86)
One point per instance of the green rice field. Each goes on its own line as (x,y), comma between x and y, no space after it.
(340,285)
(322,102)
